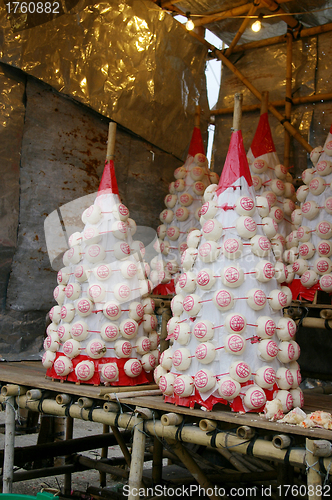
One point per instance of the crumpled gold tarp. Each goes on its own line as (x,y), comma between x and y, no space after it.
(129,61)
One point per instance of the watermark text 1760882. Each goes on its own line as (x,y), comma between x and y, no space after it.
(33,7)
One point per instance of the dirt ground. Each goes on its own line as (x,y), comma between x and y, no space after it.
(81,480)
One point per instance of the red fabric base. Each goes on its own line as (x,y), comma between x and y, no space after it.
(124,380)
(236,405)
(301,292)
(165,289)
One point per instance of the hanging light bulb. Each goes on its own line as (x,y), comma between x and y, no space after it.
(257,25)
(190,23)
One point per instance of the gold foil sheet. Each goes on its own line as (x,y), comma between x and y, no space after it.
(129,61)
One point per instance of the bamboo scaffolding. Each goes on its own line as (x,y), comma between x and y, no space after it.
(288,98)
(193,468)
(218,16)
(287,18)
(276,104)
(306,32)
(241,30)
(256,93)
(261,449)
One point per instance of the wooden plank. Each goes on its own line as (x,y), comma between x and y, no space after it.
(32,374)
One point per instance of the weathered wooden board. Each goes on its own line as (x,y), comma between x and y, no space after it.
(32,375)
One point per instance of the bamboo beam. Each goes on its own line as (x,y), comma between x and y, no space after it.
(136,467)
(225,14)
(314,477)
(306,32)
(276,104)
(256,93)
(103,454)
(277,9)
(288,98)
(194,469)
(8,463)
(273,110)
(237,11)
(316,323)
(241,30)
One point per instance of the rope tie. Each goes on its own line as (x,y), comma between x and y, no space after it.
(214,435)
(179,430)
(67,406)
(40,402)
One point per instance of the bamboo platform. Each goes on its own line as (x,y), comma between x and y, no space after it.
(143,412)
(31,374)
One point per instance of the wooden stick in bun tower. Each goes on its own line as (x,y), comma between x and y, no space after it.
(265,102)
(237,116)
(111,141)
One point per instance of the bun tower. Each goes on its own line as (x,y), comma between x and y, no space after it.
(271,179)
(102,329)
(230,341)
(182,212)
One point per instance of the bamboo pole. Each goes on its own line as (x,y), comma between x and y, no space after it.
(273,110)
(281,441)
(63,399)
(245,432)
(122,443)
(85,402)
(197,120)
(241,30)
(8,464)
(157,461)
(288,98)
(67,475)
(165,316)
(237,11)
(316,323)
(233,460)
(102,467)
(194,469)
(276,104)
(261,449)
(322,448)
(207,425)
(113,396)
(34,394)
(276,8)
(314,477)
(13,390)
(306,32)
(265,102)
(111,141)
(237,116)
(136,466)
(171,419)
(103,454)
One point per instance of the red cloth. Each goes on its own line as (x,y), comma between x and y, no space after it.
(236,164)
(108,183)
(301,292)
(196,143)
(236,405)
(262,142)
(124,380)
(165,289)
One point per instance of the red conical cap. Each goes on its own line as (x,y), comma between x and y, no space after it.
(108,182)
(236,164)
(196,143)
(262,142)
